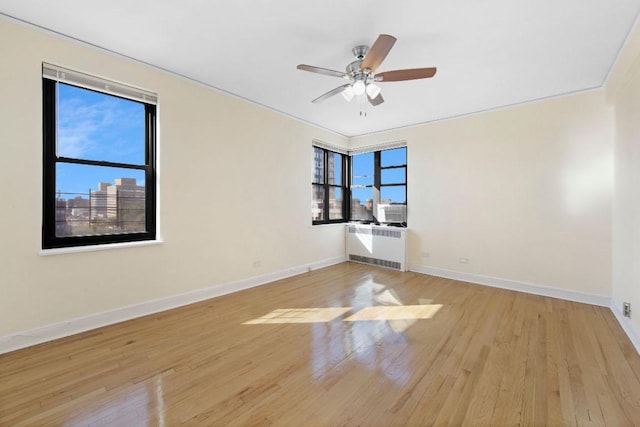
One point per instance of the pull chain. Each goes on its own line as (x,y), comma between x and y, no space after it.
(362,103)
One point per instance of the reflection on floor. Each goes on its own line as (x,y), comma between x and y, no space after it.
(348,345)
(300,315)
(390,309)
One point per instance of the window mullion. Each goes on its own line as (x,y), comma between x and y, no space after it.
(99,163)
(346,188)
(376,183)
(150,176)
(326,185)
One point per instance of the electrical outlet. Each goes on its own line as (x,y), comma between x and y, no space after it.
(257,264)
(626,309)
(463,260)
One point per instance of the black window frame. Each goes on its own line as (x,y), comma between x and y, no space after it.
(343,186)
(378,185)
(51,159)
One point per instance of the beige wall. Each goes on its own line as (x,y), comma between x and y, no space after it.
(234,189)
(523,193)
(623,92)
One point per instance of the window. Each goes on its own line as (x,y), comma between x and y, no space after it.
(379,186)
(98,159)
(329,187)
(367,187)
(362,171)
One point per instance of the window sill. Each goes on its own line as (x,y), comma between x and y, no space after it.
(94,248)
(329,224)
(383,224)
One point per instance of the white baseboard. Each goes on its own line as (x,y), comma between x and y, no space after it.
(97,320)
(93,321)
(628,326)
(495,282)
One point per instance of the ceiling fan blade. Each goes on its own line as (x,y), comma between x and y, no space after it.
(320,70)
(410,74)
(332,92)
(375,101)
(378,52)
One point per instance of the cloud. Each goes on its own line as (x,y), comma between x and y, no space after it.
(99,127)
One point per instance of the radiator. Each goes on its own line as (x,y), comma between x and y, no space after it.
(377,245)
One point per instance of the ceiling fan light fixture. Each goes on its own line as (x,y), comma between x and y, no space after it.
(358,88)
(348,93)
(362,73)
(373,90)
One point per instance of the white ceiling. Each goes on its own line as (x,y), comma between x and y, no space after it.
(489,54)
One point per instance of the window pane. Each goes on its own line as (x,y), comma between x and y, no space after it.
(394,157)
(362,204)
(97,126)
(99,200)
(317,203)
(393,194)
(334,168)
(318,165)
(335,203)
(393,176)
(362,169)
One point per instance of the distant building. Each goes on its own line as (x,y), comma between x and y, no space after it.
(362,211)
(335,205)
(62,227)
(121,205)
(126,204)
(98,201)
(78,207)
(111,208)
(318,165)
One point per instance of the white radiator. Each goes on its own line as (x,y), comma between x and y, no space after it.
(377,245)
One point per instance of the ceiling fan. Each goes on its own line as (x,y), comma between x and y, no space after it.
(362,75)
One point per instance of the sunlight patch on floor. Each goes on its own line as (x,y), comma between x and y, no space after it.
(397,312)
(300,315)
(328,314)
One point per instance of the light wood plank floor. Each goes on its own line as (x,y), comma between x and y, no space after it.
(345,345)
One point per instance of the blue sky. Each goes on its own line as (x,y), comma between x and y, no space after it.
(362,166)
(96,126)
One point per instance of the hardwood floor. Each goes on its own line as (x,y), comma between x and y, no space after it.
(311,351)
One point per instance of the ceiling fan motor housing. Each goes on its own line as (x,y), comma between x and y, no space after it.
(354,67)
(360,51)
